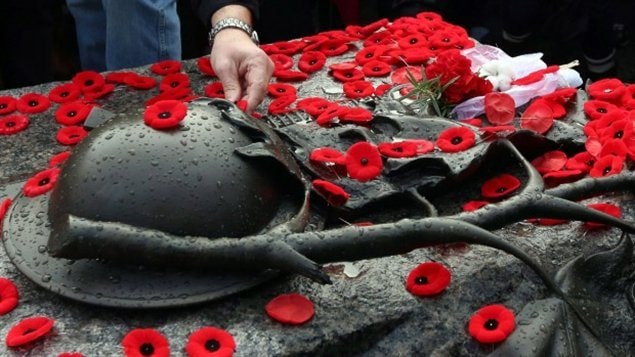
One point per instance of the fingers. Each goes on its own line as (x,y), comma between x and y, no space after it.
(257,77)
(227,72)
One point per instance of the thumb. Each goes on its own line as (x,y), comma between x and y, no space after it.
(228,76)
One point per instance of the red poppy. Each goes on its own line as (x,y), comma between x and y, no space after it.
(291,309)
(214,90)
(376,68)
(13,124)
(429,16)
(596,109)
(550,161)
(607,208)
(382,89)
(556,178)
(99,93)
(286,75)
(456,139)
(609,89)
(180,94)
(374,26)
(355,115)
(332,193)
(628,99)
(400,149)
(72,113)
(428,279)
(412,40)
(165,114)
(547,221)
(7,104)
(342,66)
(173,81)
(401,75)
(473,121)
(311,61)
(492,324)
(8,291)
(316,107)
(348,75)
(537,117)
(500,108)
(145,342)
(88,80)
(118,77)
(166,67)
(210,342)
(369,53)
(277,90)
(205,66)
(535,76)
(281,105)
(473,205)
(139,82)
(379,38)
(328,156)
(358,89)
(28,330)
(64,93)
(583,161)
(363,161)
(619,129)
(500,186)
(412,56)
(614,147)
(330,115)
(287,47)
(59,159)
(70,354)
(4,208)
(70,135)
(333,47)
(32,103)
(607,166)
(41,182)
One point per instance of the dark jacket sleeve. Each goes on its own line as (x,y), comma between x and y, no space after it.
(205,8)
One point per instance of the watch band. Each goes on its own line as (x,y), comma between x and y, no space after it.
(232,22)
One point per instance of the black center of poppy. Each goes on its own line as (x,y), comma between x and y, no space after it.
(491,324)
(456,140)
(348,74)
(73,136)
(590,163)
(212,345)
(363,161)
(501,189)
(89,82)
(44,181)
(376,69)
(9,125)
(72,113)
(618,134)
(27,331)
(312,62)
(33,103)
(174,84)
(601,110)
(421,280)
(460,47)
(64,94)
(164,115)
(146,349)
(2,105)
(432,48)
(413,41)
(358,90)
(606,170)
(369,55)
(445,39)
(280,90)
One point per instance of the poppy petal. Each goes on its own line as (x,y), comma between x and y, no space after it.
(291,309)
(500,186)
(500,108)
(428,279)
(334,194)
(28,330)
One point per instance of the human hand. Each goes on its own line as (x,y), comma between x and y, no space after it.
(242,67)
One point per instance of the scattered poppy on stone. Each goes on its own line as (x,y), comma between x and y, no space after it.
(118,77)
(328,155)
(281,61)
(165,114)
(99,93)
(500,186)
(473,205)
(288,48)
(399,149)
(180,94)
(7,104)
(382,89)
(287,75)
(358,89)
(65,93)
(583,161)
(412,40)
(607,166)
(374,26)
(214,90)
(205,66)
(628,99)
(593,146)
(13,124)
(376,68)
(473,121)
(348,75)
(614,147)
(4,208)
(166,67)
(368,54)
(88,80)
(492,324)
(315,106)
(328,116)
(500,108)
(492,132)
(378,39)
(333,47)
(59,159)
(72,113)
(607,208)
(8,291)
(355,115)
(144,343)
(363,161)
(140,82)
(428,279)
(32,103)
(70,354)
(173,81)
(311,61)
(596,109)
(41,182)
(28,330)
(401,75)
(342,66)
(291,309)
(537,117)
(550,161)
(332,193)
(281,105)
(556,178)
(210,342)
(608,89)
(456,139)
(71,135)
(277,90)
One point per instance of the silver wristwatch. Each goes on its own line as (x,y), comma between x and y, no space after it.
(233,23)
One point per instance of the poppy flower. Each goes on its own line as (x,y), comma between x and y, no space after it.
(305,103)
(355,115)
(288,48)
(65,93)
(492,324)
(412,40)
(99,93)
(291,309)
(70,135)
(614,147)
(619,129)
(412,56)
(596,109)
(139,82)
(145,342)
(382,89)
(165,114)
(210,342)
(8,291)
(550,161)
(328,156)
(500,108)
(281,61)
(348,75)
(473,121)
(429,16)
(610,90)
(205,66)
(118,77)
(363,161)
(214,90)
(28,330)
(70,354)
(7,104)
(173,81)
(311,61)
(374,26)
(316,107)
(556,178)
(88,80)
(607,166)
(328,116)
(628,99)
(13,124)
(500,186)
(59,159)
(473,205)
(281,105)
(180,94)
(277,90)
(32,103)
(332,193)
(4,208)
(72,113)
(333,47)
(41,182)
(400,149)
(537,117)
(456,139)
(342,66)
(286,75)
(163,68)
(376,68)
(607,208)
(401,75)
(368,54)
(583,161)
(358,89)
(378,38)
(428,279)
